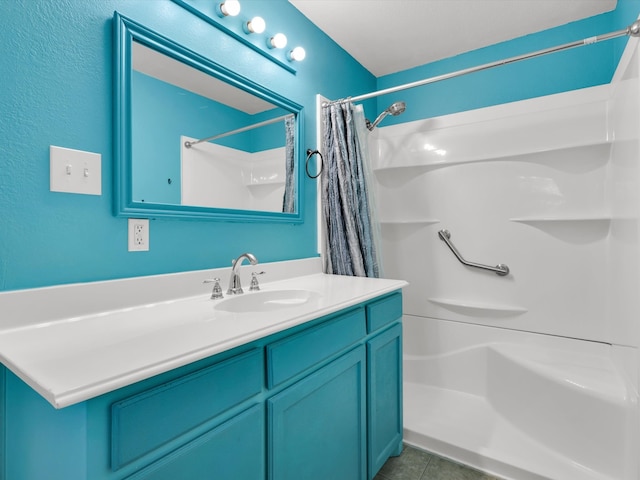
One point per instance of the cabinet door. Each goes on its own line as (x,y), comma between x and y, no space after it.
(317,425)
(384,375)
(234,450)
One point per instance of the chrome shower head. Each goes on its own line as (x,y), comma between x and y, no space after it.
(397,108)
(394,109)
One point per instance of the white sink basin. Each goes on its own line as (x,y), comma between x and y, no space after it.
(266,301)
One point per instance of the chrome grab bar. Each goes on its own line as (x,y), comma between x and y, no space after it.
(501,269)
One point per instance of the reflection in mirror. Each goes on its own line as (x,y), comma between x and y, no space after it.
(204,142)
(224,181)
(242,166)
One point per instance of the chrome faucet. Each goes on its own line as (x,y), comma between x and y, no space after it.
(235,286)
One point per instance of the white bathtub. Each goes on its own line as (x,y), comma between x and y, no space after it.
(523,406)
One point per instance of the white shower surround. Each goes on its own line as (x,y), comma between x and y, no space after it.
(534,375)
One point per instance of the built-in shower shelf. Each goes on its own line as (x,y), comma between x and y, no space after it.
(478,309)
(397,175)
(406,168)
(574,158)
(265,183)
(579,229)
(567,219)
(410,223)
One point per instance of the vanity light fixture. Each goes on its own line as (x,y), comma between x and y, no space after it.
(297,54)
(228,8)
(255,25)
(279,40)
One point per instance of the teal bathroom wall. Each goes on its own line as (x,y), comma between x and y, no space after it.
(558,72)
(57,89)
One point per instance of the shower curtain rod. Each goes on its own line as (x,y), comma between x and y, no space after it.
(632,30)
(239,130)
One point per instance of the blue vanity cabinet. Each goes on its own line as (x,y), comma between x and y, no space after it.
(319,400)
(234,450)
(317,423)
(384,380)
(207,399)
(206,418)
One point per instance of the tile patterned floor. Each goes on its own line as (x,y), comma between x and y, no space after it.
(415,464)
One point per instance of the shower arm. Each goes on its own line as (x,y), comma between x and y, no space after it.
(500,269)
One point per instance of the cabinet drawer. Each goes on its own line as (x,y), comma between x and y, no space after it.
(146,421)
(294,354)
(384,311)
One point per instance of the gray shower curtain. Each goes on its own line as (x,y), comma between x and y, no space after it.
(288,203)
(351,240)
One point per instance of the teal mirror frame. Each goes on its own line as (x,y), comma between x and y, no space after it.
(127,31)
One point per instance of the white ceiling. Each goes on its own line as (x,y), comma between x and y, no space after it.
(388,36)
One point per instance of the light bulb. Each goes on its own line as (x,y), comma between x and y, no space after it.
(255,25)
(279,40)
(297,54)
(229,8)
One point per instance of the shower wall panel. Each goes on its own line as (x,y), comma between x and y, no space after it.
(523,184)
(550,187)
(623,195)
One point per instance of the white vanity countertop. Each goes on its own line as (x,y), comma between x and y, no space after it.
(75,342)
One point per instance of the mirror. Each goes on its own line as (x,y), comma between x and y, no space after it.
(196,140)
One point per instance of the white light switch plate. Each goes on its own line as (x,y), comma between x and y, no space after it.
(75,171)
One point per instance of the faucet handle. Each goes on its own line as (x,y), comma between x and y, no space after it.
(254,287)
(216,293)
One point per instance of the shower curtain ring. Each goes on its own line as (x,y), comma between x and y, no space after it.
(311,153)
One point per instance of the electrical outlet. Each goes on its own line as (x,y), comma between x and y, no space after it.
(138,234)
